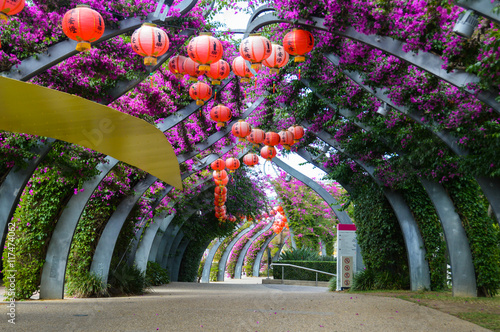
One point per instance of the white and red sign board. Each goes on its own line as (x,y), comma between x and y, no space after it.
(346,255)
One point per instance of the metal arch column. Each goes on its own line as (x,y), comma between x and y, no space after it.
(239,263)
(205,275)
(415,249)
(165,243)
(152,232)
(462,269)
(464,283)
(225,255)
(106,244)
(332,202)
(258,258)
(54,268)
(169,256)
(277,255)
(179,255)
(138,235)
(14,184)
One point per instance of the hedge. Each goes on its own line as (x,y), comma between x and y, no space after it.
(293,273)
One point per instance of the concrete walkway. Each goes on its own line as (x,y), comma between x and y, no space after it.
(234,305)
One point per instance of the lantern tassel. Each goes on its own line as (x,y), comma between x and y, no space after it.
(299,73)
(151,79)
(215,95)
(274,88)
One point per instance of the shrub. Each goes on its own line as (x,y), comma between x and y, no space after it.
(156,275)
(87,284)
(370,279)
(332,284)
(302,254)
(128,280)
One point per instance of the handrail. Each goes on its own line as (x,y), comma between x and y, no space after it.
(299,267)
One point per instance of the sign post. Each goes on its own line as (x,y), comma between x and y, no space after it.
(346,255)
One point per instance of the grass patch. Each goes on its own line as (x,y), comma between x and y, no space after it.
(483,311)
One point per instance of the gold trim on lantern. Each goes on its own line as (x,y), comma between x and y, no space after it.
(4,18)
(83,46)
(244,80)
(149,25)
(215,82)
(82,6)
(204,67)
(274,71)
(150,61)
(205,34)
(220,124)
(200,102)
(193,79)
(299,58)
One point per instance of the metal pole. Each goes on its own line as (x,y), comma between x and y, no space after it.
(282,274)
(316,278)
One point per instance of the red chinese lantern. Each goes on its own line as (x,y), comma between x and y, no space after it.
(241,129)
(298,42)
(205,50)
(150,42)
(218,71)
(268,152)
(192,69)
(220,175)
(220,114)
(278,58)
(220,190)
(232,164)
(297,131)
(10,7)
(240,69)
(272,139)
(176,65)
(256,136)
(222,182)
(250,159)
(218,165)
(200,92)
(255,49)
(220,209)
(286,138)
(280,209)
(84,25)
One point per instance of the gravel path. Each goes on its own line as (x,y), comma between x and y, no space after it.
(232,307)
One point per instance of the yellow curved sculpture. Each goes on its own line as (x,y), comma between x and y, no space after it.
(33,109)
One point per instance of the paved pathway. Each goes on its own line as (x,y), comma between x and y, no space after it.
(232,306)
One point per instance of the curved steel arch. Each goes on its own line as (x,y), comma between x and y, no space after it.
(146,245)
(52,284)
(239,263)
(423,60)
(225,254)
(489,186)
(464,281)
(415,249)
(258,258)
